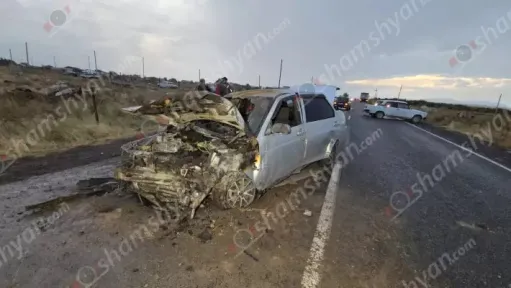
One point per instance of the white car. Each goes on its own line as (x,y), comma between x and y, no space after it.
(395,109)
(89,74)
(167,84)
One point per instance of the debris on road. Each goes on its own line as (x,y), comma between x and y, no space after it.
(86,188)
(97,185)
(205,235)
(307,213)
(250,255)
(475,227)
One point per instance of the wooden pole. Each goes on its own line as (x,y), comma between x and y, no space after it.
(95,61)
(280,74)
(399,94)
(95,106)
(498,104)
(26,51)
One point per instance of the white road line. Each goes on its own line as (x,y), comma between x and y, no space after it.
(311,275)
(464,148)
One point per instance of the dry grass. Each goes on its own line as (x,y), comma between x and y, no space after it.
(473,121)
(35,124)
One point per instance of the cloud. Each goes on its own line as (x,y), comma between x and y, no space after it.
(434,81)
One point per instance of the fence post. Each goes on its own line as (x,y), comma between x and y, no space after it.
(95,106)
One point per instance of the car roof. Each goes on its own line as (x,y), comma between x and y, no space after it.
(397,101)
(269,93)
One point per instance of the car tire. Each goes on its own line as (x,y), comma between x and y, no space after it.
(329,162)
(379,115)
(235,190)
(416,119)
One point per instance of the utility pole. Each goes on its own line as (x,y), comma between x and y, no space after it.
(95,61)
(498,103)
(399,94)
(376,93)
(10,53)
(26,51)
(259,81)
(143,68)
(199,75)
(280,74)
(312,79)
(54,62)
(89,61)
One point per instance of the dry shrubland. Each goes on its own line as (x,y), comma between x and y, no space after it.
(473,120)
(34,122)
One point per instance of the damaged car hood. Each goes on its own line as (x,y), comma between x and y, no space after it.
(179,110)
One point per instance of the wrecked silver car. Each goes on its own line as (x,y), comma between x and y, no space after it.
(206,148)
(229,148)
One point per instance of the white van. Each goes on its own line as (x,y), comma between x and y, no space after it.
(330,91)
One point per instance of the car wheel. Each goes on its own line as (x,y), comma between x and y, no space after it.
(416,119)
(235,190)
(330,161)
(379,115)
(333,155)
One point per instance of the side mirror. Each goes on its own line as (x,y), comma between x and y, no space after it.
(279,128)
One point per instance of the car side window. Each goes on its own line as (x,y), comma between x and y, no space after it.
(403,106)
(287,113)
(392,104)
(317,108)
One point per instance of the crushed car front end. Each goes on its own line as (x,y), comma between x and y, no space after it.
(200,151)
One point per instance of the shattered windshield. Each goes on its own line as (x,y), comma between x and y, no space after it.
(254,110)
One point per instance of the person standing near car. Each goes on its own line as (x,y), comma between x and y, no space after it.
(203,86)
(222,87)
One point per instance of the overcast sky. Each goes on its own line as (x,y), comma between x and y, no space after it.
(358,45)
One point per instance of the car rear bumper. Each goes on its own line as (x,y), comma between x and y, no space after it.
(340,106)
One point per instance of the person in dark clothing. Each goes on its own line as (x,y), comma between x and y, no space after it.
(203,86)
(222,87)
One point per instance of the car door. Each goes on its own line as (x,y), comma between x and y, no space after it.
(281,154)
(320,123)
(402,110)
(391,109)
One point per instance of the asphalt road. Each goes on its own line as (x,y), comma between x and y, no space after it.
(466,206)
(379,237)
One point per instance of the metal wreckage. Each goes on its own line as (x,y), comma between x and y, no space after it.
(204,150)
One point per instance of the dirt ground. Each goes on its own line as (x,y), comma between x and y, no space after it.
(115,240)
